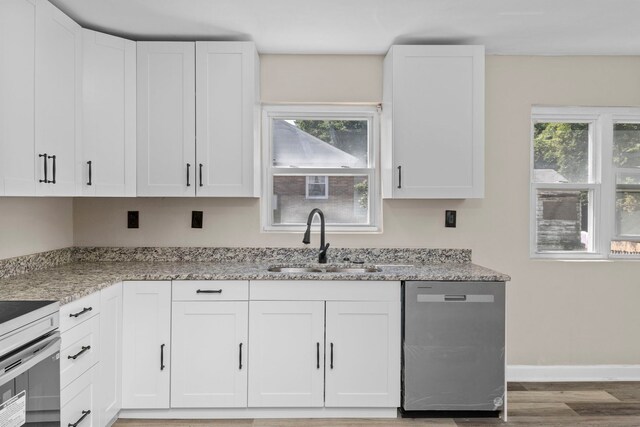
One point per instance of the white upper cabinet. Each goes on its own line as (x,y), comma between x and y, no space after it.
(17,67)
(433,122)
(58,87)
(166,119)
(222,160)
(227,100)
(108,165)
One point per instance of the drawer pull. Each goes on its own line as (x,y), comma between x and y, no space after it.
(84,349)
(209,291)
(54,170)
(331,356)
(45,180)
(162,357)
(80,313)
(84,415)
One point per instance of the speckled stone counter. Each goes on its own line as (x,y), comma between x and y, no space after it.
(66,283)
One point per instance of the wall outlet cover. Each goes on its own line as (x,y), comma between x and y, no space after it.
(133,219)
(450,219)
(196,219)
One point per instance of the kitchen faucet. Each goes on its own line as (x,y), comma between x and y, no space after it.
(322,256)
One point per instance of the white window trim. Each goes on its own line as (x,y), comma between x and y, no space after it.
(326,187)
(346,111)
(602,183)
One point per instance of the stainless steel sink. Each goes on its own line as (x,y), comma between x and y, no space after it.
(294,270)
(352,270)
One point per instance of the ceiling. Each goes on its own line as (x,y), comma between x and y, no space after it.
(510,27)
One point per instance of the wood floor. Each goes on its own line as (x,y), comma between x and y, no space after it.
(606,404)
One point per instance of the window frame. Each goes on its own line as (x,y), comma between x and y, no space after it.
(320,112)
(325,183)
(602,178)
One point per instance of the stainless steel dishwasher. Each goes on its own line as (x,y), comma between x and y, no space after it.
(453,346)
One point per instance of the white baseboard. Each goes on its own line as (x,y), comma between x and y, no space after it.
(533,373)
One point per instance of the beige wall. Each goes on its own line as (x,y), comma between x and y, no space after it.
(558,312)
(29,225)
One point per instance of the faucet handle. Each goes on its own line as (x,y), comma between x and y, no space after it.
(322,257)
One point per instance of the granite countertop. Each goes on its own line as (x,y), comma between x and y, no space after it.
(74,280)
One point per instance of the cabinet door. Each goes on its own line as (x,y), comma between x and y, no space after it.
(363,354)
(286,353)
(108,115)
(146,344)
(58,98)
(437,106)
(110,366)
(166,119)
(209,354)
(227,97)
(17,67)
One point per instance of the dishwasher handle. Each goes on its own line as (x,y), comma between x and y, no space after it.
(456,298)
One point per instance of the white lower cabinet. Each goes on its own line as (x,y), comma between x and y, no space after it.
(146,344)
(209,354)
(78,402)
(110,366)
(286,353)
(363,360)
(242,350)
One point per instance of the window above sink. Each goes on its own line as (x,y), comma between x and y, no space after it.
(321,157)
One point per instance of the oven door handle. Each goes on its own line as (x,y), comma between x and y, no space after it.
(30,357)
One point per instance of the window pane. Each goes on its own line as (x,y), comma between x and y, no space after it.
(561,152)
(347,201)
(626,145)
(628,212)
(562,220)
(320,143)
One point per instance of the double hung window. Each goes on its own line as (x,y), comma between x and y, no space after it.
(320,157)
(585,182)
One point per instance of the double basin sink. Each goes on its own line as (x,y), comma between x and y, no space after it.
(328,269)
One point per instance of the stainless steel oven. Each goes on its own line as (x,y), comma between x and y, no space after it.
(29,364)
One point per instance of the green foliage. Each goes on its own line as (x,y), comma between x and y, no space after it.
(563,147)
(326,129)
(626,147)
(362,188)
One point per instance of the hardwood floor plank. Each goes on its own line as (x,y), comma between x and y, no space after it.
(632,395)
(399,422)
(549,409)
(606,409)
(581,386)
(515,387)
(184,423)
(560,396)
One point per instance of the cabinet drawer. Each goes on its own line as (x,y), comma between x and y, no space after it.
(210,290)
(80,350)
(79,400)
(78,311)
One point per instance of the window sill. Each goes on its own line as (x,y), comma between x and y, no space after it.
(328,230)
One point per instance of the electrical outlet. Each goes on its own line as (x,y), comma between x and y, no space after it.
(196,219)
(133,219)
(450,219)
